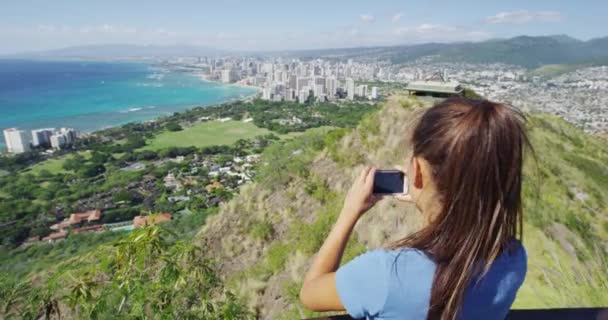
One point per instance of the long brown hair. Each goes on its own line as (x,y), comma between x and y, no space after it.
(475,151)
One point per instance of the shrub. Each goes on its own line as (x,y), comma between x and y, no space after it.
(277,256)
(261,230)
(173,126)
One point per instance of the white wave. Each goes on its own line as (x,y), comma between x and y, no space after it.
(157,76)
(131,110)
(135,109)
(142,84)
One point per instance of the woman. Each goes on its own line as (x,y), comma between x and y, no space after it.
(465,177)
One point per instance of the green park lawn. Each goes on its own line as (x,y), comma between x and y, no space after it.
(54,165)
(206,134)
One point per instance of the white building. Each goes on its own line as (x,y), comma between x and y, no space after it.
(303,95)
(361,90)
(266,93)
(230,75)
(350,88)
(17,141)
(64,138)
(58,141)
(42,136)
(331,86)
(301,83)
(318,90)
(71,134)
(374,93)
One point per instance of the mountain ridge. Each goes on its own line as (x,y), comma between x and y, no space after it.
(528,51)
(118,50)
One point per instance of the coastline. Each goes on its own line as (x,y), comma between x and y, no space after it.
(187,108)
(139,110)
(204,78)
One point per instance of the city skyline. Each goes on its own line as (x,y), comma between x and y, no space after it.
(34,25)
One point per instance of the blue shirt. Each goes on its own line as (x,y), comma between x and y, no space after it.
(396,284)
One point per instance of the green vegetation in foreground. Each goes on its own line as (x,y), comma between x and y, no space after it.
(205,134)
(148,274)
(288,164)
(565,201)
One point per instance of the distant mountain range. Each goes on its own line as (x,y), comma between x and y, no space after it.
(120,51)
(527,51)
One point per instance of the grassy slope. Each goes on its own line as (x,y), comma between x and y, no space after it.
(566,212)
(266,236)
(54,165)
(206,134)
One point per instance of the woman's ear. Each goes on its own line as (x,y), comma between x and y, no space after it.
(418,183)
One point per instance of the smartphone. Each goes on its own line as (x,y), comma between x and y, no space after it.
(390,182)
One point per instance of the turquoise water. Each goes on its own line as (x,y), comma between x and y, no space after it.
(93,95)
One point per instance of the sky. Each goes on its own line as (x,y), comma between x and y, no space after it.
(32,25)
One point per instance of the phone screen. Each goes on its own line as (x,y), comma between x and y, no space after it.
(389,182)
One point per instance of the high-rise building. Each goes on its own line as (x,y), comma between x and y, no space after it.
(350,88)
(361,91)
(71,134)
(229,75)
(42,137)
(303,95)
(267,68)
(266,94)
(293,81)
(58,141)
(374,93)
(288,93)
(331,86)
(302,82)
(17,141)
(64,138)
(318,90)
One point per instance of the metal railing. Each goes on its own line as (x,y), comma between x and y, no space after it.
(534,314)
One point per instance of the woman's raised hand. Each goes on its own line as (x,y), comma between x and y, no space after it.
(360,197)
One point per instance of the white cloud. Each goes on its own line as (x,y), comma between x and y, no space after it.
(524,16)
(367,18)
(397,17)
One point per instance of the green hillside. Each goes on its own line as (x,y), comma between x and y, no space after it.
(527,51)
(248,259)
(266,237)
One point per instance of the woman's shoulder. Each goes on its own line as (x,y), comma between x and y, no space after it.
(398,254)
(514,254)
(514,257)
(399,261)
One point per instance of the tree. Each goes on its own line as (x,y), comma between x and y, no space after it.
(173,126)
(91,170)
(73,163)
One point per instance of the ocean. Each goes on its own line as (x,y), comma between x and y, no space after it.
(89,96)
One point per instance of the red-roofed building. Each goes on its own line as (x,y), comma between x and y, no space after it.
(77,219)
(55,236)
(89,216)
(142,221)
(95,227)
